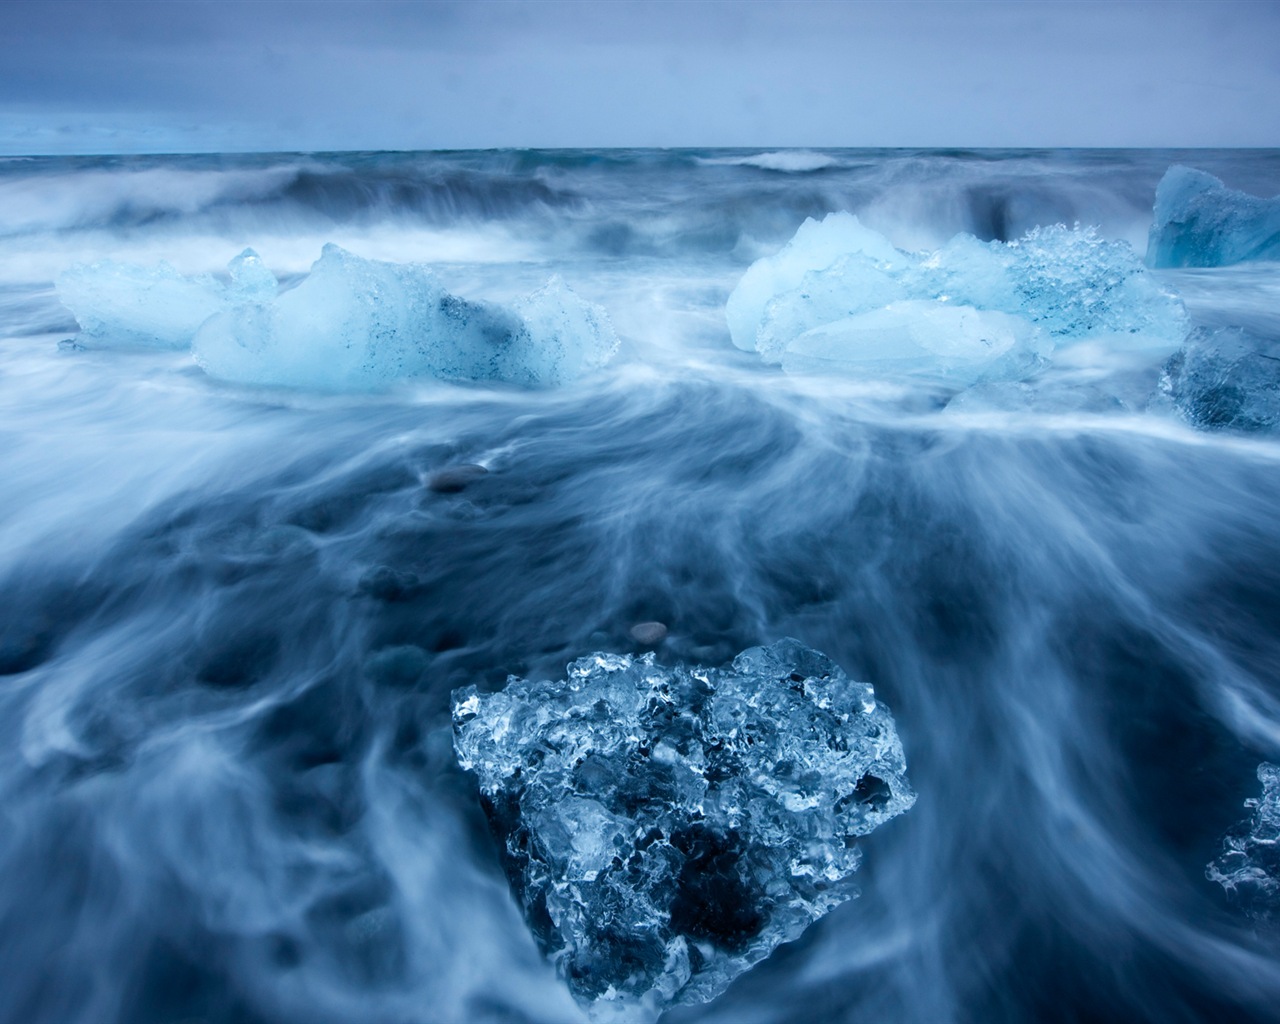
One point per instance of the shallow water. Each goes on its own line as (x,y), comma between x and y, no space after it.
(220,805)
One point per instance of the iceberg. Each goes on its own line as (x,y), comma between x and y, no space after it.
(839,295)
(664,829)
(350,324)
(1249,866)
(1225,379)
(130,306)
(1199,222)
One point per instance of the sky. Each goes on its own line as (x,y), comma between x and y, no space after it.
(298,75)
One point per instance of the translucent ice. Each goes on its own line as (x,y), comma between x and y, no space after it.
(666,828)
(1249,866)
(816,245)
(1225,379)
(839,294)
(359,323)
(1199,222)
(127,305)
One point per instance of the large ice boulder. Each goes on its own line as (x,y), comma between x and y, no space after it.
(1199,222)
(350,324)
(665,828)
(840,296)
(130,306)
(1249,865)
(359,323)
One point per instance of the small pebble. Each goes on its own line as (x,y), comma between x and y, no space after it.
(649,633)
(455,478)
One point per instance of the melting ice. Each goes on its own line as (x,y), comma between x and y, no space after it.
(1249,867)
(666,828)
(839,295)
(350,324)
(1199,222)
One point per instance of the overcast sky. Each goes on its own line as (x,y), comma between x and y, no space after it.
(299,75)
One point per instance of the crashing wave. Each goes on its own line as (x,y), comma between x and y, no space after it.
(794,161)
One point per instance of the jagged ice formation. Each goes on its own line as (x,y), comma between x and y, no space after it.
(665,828)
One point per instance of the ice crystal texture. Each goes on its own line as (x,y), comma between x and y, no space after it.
(352,324)
(1199,222)
(666,828)
(839,295)
(1249,867)
(131,306)
(1225,379)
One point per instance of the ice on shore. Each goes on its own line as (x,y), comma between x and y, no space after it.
(359,323)
(350,324)
(1249,866)
(665,828)
(130,306)
(1225,379)
(1199,222)
(840,295)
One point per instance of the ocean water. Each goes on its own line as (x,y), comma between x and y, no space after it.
(231,617)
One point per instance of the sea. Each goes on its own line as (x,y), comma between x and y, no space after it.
(232,616)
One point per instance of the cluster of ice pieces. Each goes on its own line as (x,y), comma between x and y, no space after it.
(839,295)
(666,828)
(1249,866)
(1225,379)
(351,323)
(1199,222)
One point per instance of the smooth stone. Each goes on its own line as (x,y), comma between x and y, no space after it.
(455,478)
(648,633)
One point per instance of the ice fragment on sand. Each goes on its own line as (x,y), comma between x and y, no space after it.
(126,305)
(1249,866)
(354,323)
(841,295)
(1225,379)
(1199,222)
(665,828)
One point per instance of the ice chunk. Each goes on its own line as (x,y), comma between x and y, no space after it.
(920,337)
(816,245)
(1225,379)
(355,323)
(1060,285)
(665,828)
(1199,222)
(126,305)
(1249,866)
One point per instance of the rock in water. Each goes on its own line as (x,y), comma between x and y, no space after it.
(1249,867)
(666,828)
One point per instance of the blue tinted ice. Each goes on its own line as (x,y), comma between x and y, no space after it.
(839,295)
(666,828)
(1225,379)
(350,324)
(355,323)
(127,305)
(1199,222)
(1249,866)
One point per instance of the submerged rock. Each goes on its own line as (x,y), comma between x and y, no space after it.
(1199,222)
(666,828)
(650,634)
(1249,867)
